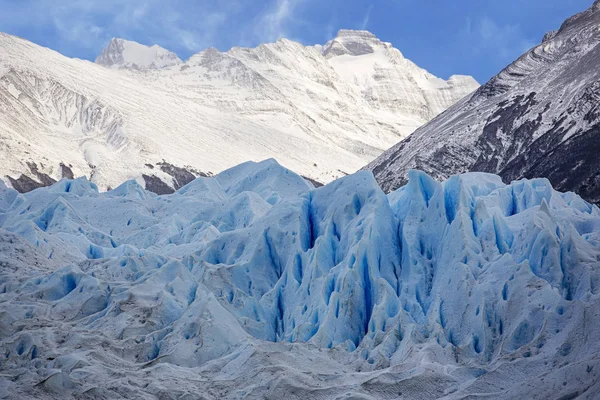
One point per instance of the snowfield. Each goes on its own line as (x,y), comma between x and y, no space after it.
(255,285)
(323,111)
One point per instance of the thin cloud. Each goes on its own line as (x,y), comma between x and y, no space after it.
(274,24)
(82,28)
(367,17)
(485,36)
(85,26)
(330,31)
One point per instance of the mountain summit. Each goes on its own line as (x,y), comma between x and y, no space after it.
(354,43)
(539,117)
(388,80)
(121,53)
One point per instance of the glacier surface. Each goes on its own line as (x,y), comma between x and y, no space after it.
(253,284)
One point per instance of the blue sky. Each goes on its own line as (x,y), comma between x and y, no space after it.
(474,37)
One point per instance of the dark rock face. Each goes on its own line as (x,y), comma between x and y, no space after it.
(316,184)
(494,148)
(155,185)
(66,171)
(25,183)
(573,166)
(181,176)
(45,179)
(539,117)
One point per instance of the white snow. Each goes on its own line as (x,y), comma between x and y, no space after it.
(281,100)
(254,285)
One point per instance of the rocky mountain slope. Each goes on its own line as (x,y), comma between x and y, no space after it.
(253,285)
(539,117)
(141,113)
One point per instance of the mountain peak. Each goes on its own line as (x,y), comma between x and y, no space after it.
(121,53)
(353,43)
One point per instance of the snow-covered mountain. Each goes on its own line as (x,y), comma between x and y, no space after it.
(126,54)
(253,285)
(146,115)
(387,80)
(539,117)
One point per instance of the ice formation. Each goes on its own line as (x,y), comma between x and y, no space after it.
(253,284)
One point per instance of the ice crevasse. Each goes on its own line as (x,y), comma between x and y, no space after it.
(468,271)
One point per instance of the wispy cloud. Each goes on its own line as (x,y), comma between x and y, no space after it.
(367,17)
(180,25)
(275,23)
(82,28)
(329,31)
(486,36)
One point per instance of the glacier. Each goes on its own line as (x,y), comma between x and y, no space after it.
(253,284)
